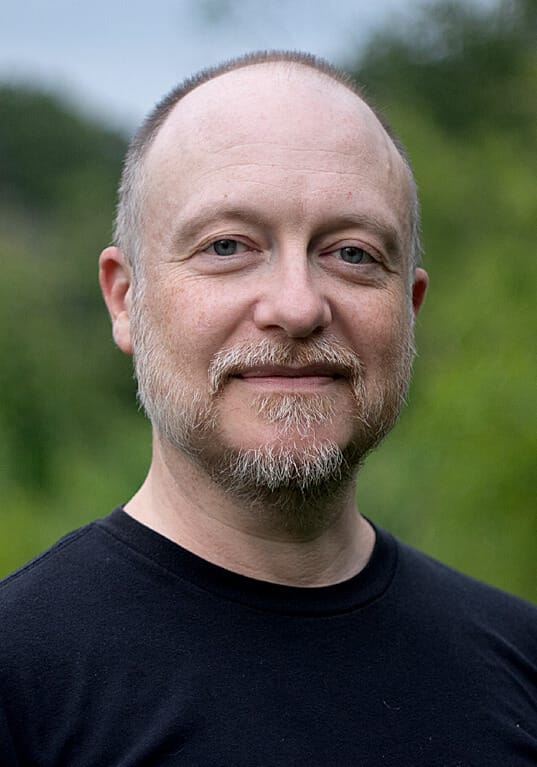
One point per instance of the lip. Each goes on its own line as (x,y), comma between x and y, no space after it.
(282,371)
(290,371)
(290,378)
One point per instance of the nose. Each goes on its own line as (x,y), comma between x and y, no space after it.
(292,299)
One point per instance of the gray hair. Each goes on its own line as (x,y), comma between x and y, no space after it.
(131,193)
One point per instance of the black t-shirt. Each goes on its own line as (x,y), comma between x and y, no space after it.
(118,647)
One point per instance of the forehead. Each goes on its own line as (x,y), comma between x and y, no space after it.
(291,102)
(273,124)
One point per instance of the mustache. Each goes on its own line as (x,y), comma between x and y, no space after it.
(327,352)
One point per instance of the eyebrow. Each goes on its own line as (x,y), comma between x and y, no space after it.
(384,230)
(190,228)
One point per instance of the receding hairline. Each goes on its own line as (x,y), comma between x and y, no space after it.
(293,60)
(130,199)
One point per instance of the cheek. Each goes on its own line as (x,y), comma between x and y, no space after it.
(194,324)
(378,325)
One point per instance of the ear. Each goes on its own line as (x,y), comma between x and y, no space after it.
(116,281)
(419,288)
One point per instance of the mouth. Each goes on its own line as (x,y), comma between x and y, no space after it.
(268,364)
(289,378)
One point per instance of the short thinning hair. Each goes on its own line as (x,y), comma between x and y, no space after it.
(129,216)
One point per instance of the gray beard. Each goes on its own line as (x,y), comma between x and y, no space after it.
(302,486)
(300,493)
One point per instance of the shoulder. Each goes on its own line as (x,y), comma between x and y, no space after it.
(454,596)
(68,572)
(38,603)
(48,563)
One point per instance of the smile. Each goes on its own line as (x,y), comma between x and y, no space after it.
(289,378)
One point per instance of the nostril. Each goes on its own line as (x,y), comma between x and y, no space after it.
(297,307)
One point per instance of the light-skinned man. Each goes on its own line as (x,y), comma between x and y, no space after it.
(239,610)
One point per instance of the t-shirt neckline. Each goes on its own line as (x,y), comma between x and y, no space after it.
(355,593)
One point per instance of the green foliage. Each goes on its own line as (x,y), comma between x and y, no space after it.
(44,144)
(456,476)
(67,394)
(467,69)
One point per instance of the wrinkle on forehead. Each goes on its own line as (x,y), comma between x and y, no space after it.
(269,123)
(238,107)
(193,160)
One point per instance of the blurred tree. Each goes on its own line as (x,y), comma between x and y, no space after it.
(457,476)
(469,69)
(63,385)
(43,143)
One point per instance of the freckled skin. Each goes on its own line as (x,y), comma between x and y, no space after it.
(297,155)
(294,168)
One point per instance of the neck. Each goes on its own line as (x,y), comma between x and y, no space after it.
(180,502)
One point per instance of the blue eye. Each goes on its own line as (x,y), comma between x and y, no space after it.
(354,255)
(225,247)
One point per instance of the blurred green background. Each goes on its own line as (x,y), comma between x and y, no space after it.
(457,477)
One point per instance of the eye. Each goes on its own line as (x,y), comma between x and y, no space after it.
(352,254)
(225,247)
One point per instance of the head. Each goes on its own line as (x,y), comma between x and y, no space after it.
(129,218)
(265,276)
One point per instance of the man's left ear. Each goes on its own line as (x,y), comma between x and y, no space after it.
(419,288)
(116,281)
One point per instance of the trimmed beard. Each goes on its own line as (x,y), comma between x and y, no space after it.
(299,480)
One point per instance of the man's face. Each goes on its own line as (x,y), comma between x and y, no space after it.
(275,316)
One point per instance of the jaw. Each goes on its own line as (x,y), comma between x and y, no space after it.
(285,491)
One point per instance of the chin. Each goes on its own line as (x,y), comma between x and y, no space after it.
(291,420)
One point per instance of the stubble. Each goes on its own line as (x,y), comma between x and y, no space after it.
(299,481)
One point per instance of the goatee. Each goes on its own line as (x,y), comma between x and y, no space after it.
(293,477)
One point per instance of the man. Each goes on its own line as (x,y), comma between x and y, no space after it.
(239,610)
